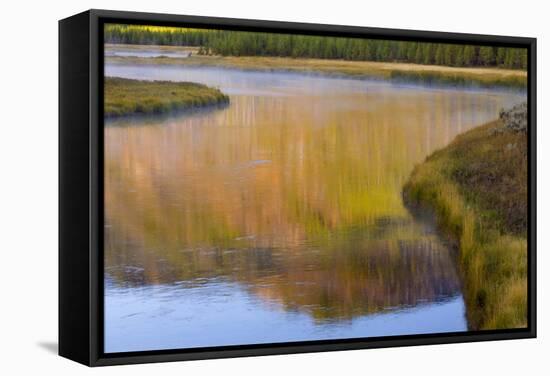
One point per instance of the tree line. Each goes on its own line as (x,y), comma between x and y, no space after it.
(241,43)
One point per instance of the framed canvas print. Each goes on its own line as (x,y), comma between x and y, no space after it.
(236,187)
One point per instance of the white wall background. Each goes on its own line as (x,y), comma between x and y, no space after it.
(28,188)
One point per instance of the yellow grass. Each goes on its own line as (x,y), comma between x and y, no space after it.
(488,224)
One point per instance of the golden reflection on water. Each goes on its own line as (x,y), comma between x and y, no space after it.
(296,197)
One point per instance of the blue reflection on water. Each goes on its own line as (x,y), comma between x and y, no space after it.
(165,317)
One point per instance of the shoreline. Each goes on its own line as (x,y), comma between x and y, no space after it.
(397,72)
(485,227)
(144,119)
(127,98)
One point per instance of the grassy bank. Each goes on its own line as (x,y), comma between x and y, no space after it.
(403,72)
(130,97)
(478,189)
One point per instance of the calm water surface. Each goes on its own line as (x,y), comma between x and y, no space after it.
(279,217)
(146,52)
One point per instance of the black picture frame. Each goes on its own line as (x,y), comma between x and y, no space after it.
(81,187)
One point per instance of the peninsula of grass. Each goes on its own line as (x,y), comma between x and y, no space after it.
(132,97)
(400,72)
(477,187)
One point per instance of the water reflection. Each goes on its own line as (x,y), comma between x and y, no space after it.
(289,202)
(336,279)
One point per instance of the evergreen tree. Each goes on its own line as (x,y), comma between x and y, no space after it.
(418,59)
(486,55)
(510,58)
(439,55)
(411,51)
(469,55)
(449,55)
(428,54)
(501,55)
(460,56)
(523,59)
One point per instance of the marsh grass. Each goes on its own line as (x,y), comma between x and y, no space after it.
(130,97)
(477,187)
(400,72)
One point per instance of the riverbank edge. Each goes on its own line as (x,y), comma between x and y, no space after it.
(492,263)
(396,72)
(123,97)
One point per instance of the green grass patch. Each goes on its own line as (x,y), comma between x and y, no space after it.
(130,97)
(477,187)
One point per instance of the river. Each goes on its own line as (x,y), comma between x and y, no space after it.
(279,217)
